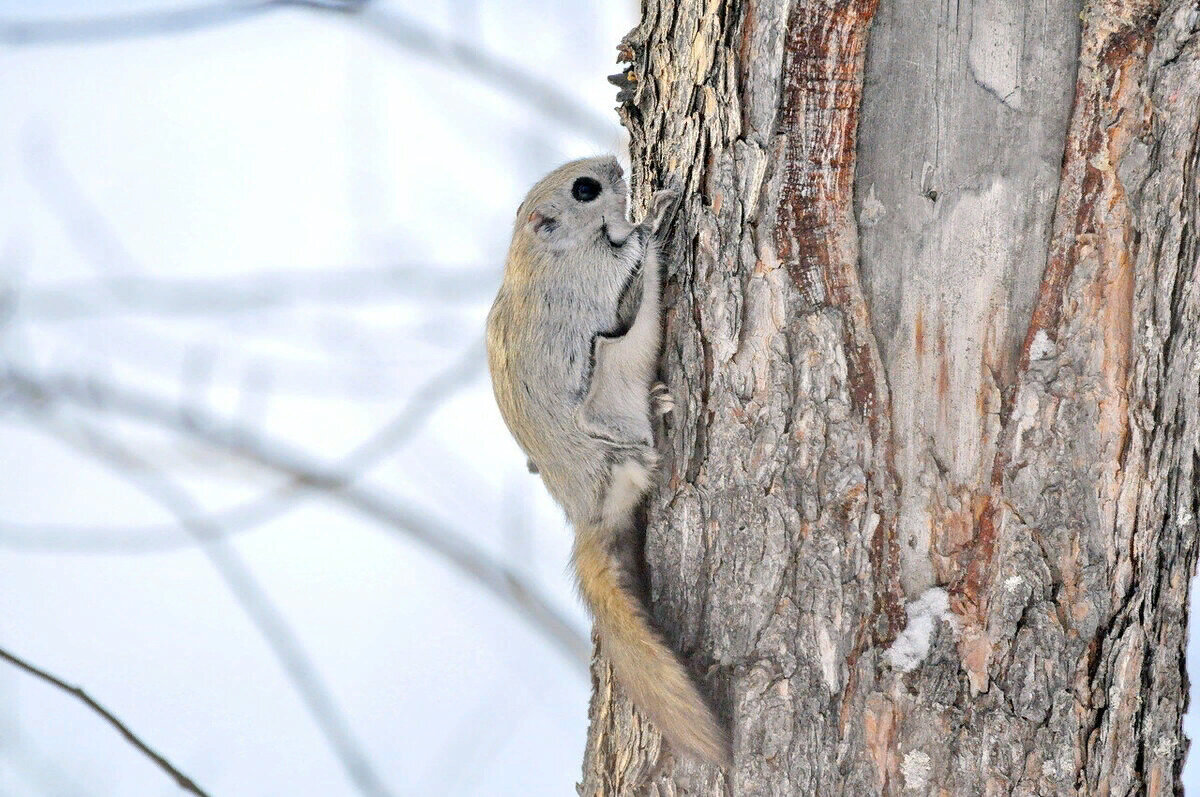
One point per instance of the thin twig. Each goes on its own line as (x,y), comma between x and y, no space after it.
(185,783)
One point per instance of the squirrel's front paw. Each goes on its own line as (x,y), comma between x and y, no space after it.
(661,400)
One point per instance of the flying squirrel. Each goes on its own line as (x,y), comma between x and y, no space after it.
(573,352)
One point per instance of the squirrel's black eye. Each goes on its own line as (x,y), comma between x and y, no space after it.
(585,189)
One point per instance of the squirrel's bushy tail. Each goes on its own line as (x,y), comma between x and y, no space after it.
(655,679)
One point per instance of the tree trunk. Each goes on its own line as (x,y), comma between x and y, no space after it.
(928,510)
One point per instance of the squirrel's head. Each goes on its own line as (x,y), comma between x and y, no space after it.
(579,204)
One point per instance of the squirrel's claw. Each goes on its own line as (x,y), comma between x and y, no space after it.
(661,400)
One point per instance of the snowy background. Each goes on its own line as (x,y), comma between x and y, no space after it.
(254,493)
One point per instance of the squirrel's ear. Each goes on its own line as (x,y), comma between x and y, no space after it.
(541,223)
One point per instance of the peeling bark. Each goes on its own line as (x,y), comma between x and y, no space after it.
(928,514)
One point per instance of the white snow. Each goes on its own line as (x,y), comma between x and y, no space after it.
(1042,346)
(910,648)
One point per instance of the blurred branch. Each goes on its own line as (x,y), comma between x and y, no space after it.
(138,24)
(274,503)
(183,780)
(502,581)
(85,226)
(396,28)
(490,69)
(253,599)
(248,293)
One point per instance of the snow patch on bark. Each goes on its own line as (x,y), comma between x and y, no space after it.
(1042,347)
(910,648)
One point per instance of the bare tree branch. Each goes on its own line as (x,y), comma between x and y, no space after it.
(396,28)
(250,293)
(114,27)
(83,223)
(239,579)
(273,504)
(452,546)
(185,783)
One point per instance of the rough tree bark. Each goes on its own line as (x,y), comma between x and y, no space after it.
(928,516)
